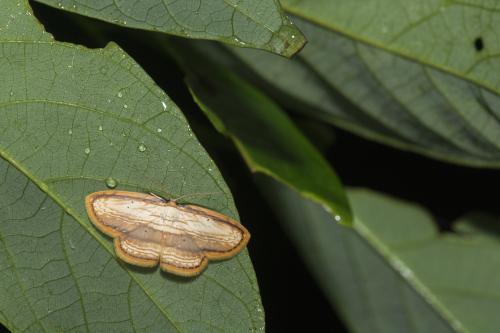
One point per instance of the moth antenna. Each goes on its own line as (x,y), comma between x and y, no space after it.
(192,195)
(158,197)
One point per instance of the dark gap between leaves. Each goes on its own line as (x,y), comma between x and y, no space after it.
(448,191)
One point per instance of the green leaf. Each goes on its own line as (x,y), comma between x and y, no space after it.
(407,103)
(246,23)
(441,33)
(267,139)
(394,272)
(72,120)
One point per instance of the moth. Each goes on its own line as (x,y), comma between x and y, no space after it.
(148,230)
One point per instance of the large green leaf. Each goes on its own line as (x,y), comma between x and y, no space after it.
(372,90)
(446,34)
(394,272)
(74,121)
(266,138)
(246,23)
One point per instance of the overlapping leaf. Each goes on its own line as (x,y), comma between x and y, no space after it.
(433,94)
(446,34)
(246,23)
(266,138)
(393,272)
(74,121)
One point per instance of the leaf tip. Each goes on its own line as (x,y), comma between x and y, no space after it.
(291,41)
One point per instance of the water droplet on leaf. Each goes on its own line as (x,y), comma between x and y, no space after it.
(111,183)
(142,148)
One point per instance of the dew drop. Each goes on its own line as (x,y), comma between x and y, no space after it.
(164,105)
(142,148)
(337,218)
(87,150)
(239,41)
(111,183)
(100,128)
(70,132)
(11,93)
(120,94)
(71,245)
(125,106)
(159,130)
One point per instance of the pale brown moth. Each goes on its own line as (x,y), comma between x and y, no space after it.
(148,230)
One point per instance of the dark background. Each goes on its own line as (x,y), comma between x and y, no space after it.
(291,298)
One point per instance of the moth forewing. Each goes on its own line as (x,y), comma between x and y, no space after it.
(148,229)
(237,247)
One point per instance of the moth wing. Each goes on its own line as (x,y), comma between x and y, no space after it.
(181,255)
(110,211)
(148,230)
(230,236)
(141,246)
